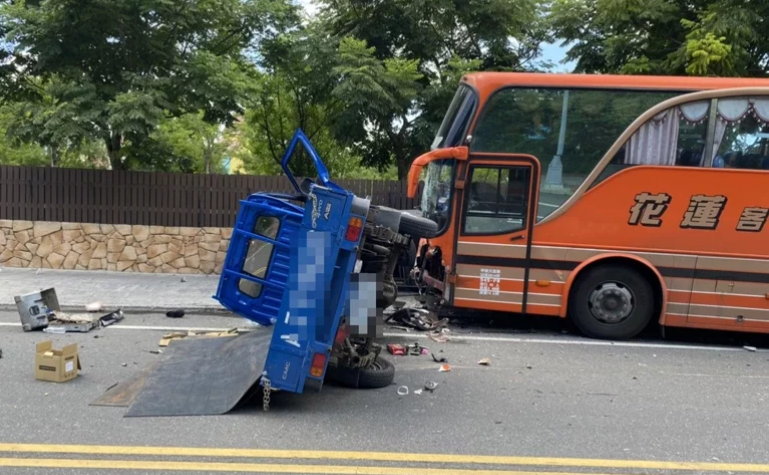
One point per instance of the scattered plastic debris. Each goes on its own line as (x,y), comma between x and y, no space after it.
(484,362)
(439,336)
(418,392)
(94,307)
(439,360)
(418,318)
(431,385)
(396,349)
(750,348)
(444,368)
(403,391)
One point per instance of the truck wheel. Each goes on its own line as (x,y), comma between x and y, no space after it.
(611,302)
(379,375)
(413,225)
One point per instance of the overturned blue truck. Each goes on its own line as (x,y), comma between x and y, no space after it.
(314,269)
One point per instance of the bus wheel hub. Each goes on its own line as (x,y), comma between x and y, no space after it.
(611,302)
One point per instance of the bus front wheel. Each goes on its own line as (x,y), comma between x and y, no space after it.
(612,302)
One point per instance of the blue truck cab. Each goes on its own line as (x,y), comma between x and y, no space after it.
(289,267)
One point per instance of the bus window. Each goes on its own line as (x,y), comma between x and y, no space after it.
(436,194)
(497,200)
(674,137)
(741,138)
(526,120)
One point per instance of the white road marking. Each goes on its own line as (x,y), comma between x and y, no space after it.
(496,339)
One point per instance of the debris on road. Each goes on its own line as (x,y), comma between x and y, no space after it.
(41,310)
(168,337)
(439,360)
(179,313)
(124,365)
(403,391)
(439,336)
(417,318)
(484,362)
(156,352)
(418,392)
(750,348)
(396,349)
(528,366)
(431,385)
(55,365)
(444,368)
(94,307)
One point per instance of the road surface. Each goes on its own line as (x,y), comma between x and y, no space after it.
(549,402)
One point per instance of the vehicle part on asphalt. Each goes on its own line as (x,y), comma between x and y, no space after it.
(431,385)
(202,370)
(418,318)
(611,302)
(439,336)
(396,349)
(403,391)
(175,313)
(379,374)
(439,360)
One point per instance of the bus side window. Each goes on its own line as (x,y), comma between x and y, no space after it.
(497,200)
(741,138)
(674,137)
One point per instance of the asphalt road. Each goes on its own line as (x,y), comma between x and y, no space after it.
(548,402)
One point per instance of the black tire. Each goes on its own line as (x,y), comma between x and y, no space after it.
(417,226)
(612,280)
(379,375)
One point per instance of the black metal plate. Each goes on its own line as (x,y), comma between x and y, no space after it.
(204,376)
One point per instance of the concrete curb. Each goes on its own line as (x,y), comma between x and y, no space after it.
(199,310)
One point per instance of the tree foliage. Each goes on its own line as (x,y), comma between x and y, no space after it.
(110,70)
(700,37)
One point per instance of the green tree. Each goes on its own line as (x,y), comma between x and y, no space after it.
(701,37)
(400,61)
(111,69)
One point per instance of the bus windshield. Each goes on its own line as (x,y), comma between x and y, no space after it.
(452,130)
(436,195)
(568,130)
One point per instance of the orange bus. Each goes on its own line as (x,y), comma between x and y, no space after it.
(610,200)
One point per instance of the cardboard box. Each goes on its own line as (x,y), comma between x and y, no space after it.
(56,365)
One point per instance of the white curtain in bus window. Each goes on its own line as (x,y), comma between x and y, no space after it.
(740,137)
(659,141)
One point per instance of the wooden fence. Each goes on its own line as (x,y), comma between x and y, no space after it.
(160,199)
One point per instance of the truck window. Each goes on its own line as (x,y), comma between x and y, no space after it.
(741,138)
(524,120)
(258,255)
(497,200)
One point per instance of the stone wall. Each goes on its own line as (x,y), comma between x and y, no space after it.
(124,248)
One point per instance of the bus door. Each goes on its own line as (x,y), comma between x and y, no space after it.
(497,209)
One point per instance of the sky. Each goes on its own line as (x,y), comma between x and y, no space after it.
(550,51)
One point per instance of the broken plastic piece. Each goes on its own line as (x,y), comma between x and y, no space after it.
(418,392)
(396,349)
(444,368)
(403,391)
(431,385)
(93,307)
(750,348)
(484,362)
(439,360)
